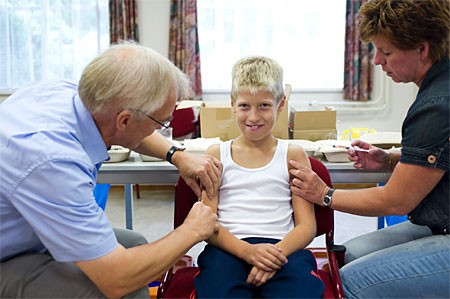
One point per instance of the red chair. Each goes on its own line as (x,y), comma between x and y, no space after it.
(180,284)
(184,124)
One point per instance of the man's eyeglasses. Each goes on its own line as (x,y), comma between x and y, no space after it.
(164,125)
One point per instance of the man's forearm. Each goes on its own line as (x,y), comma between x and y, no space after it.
(125,270)
(154,145)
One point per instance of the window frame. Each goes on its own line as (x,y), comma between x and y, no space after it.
(330,97)
(275,46)
(326,98)
(101,37)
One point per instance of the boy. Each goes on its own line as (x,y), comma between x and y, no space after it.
(262,226)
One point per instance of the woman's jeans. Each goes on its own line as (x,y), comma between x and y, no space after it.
(400,261)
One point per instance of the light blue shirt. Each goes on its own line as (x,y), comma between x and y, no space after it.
(50,149)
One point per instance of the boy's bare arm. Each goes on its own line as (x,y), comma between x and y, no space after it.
(305,221)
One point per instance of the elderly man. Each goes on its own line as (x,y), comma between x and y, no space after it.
(54,239)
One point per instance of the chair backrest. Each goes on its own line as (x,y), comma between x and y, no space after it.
(324,216)
(183,122)
(185,198)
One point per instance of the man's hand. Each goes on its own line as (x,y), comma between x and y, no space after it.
(199,172)
(202,221)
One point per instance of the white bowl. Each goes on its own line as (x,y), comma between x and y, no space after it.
(118,153)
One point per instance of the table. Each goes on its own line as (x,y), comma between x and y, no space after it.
(135,171)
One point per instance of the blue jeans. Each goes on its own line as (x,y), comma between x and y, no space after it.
(400,261)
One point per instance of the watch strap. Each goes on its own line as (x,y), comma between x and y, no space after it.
(328,197)
(171,151)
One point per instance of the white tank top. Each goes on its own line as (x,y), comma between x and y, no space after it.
(256,202)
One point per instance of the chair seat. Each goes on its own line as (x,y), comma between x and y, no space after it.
(183,283)
(326,278)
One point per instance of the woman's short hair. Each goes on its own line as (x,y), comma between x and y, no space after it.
(257,73)
(130,76)
(407,23)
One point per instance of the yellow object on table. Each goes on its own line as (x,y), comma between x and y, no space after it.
(358,132)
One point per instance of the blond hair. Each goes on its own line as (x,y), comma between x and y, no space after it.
(407,23)
(257,73)
(131,76)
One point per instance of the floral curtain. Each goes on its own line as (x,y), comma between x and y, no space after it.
(123,20)
(184,50)
(358,69)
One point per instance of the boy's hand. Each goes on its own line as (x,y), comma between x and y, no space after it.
(266,257)
(258,277)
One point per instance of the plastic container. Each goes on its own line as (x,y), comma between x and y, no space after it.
(338,155)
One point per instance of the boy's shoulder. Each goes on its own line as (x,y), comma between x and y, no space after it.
(214,150)
(296,152)
(295,149)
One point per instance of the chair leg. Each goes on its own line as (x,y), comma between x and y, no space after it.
(138,194)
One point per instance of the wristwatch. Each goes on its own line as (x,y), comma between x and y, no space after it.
(328,198)
(171,151)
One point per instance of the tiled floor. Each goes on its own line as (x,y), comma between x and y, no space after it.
(153,216)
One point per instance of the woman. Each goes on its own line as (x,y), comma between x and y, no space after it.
(411,259)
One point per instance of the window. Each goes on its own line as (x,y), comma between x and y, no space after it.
(306,37)
(43,39)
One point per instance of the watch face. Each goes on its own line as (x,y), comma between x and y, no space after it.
(327,201)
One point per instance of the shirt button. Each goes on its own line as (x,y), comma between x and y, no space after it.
(431,159)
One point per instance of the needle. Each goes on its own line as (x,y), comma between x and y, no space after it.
(354,148)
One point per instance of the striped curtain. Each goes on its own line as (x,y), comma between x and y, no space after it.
(123,25)
(184,50)
(358,67)
(123,20)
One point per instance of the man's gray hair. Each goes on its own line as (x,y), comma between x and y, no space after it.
(131,76)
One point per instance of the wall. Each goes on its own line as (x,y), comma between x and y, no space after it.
(394,99)
(154,21)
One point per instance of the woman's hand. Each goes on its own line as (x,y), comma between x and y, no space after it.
(375,159)
(199,172)
(306,183)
